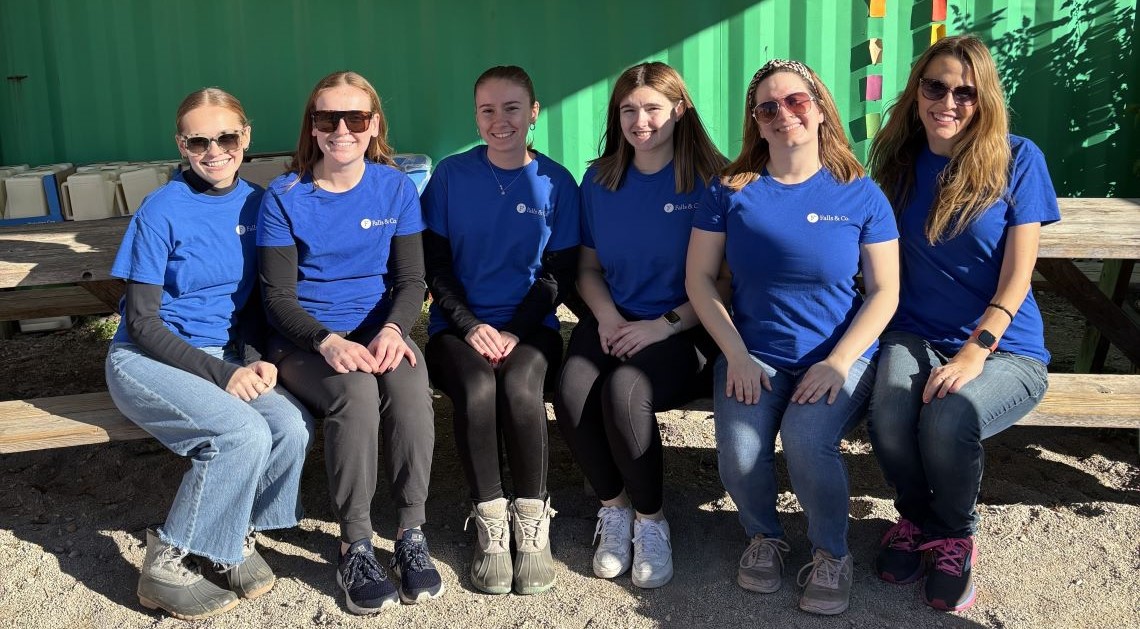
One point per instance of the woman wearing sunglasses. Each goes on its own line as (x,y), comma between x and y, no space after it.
(964,358)
(642,349)
(181,368)
(342,264)
(501,248)
(796,219)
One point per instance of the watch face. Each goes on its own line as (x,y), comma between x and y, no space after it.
(672,317)
(986,338)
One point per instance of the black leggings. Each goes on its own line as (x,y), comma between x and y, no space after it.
(605,408)
(488,401)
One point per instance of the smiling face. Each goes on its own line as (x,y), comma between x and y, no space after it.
(944,120)
(503,113)
(787,129)
(648,119)
(216,166)
(341,146)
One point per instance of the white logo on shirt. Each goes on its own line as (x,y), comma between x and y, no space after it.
(243,229)
(815,218)
(671,207)
(368,223)
(523,208)
(668,208)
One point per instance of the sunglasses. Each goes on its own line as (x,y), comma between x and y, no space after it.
(228,141)
(798,104)
(354,121)
(933,89)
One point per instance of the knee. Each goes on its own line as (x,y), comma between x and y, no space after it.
(628,392)
(350,394)
(250,437)
(949,421)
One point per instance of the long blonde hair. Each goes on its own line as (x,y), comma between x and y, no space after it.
(308,153)
(693,149)
(834,151)
(978,172)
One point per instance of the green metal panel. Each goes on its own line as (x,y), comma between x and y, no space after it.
(103,78)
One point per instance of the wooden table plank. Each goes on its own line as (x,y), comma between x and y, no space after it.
(59,253)
(1094,228)
(50,302)
(63,421)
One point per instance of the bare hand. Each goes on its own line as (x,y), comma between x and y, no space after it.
(488,342)
(389,348)
(267,371)
(951,377)
(744,381)
(246,384)
(634,336)
(822,378)
(510,342)
(608,330)
(344,355)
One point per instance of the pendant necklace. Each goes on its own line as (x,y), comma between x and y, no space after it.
(502,188)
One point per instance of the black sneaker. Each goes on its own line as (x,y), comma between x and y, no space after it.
(367,589)
(419,580)
(950,583)
(899,559)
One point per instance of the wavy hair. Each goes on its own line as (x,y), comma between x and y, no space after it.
(693,149)
(978,172)
(308,153)
(834,151)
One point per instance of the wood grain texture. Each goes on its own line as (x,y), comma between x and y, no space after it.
(59,253)
(1094,228)
(50,302)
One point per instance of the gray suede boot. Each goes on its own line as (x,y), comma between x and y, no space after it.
(491,570)
(252,577)
(530,523)
(168,583)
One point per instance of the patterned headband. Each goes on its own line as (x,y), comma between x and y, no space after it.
(779,65)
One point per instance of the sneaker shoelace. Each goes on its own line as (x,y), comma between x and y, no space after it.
(613,526)
(950,554)
(650,540)
(762,550)
(824,571)
(361,567)
(903,535)
(411,556)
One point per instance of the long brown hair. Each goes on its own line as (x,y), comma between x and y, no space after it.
(978,172)
(308,153)
(834,152)
(693,149)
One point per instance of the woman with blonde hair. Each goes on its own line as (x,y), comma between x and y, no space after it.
(342,266)
(641,349)
(796,219)
(184,366)
(970,200)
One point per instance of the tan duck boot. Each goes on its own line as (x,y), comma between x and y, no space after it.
(168,583)
(534,566)
(491,570)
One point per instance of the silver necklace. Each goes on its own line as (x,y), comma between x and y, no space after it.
(502,188)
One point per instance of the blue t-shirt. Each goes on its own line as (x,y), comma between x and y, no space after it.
(947,286)
(342,239)
(200,249)
(794,252)
(497,240)
(641,234)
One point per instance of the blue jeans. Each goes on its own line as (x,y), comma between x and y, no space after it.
(932,453)
(810,433)
(245,457)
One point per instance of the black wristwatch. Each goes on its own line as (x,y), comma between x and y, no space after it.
(673,319)
(321,337)
(985,338)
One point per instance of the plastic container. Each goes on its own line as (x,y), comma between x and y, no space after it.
(91,195)
(417,166)
(46,324)
(137,183)
(263,170)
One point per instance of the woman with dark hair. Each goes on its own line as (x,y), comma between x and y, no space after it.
(183,367)
(501,244)
(641,349)
(970,200)
(342,267)
(796,219)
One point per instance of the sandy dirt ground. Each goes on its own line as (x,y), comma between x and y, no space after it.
(1059,544)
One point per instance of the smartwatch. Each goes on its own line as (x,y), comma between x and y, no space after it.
(673,319)
(985,338)
(321,337)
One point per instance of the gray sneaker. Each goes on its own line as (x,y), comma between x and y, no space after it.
(168,583)
(530,523)
(827,584)
(761,567)
(491,569)
(252,577)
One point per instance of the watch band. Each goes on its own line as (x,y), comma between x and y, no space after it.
(985,338)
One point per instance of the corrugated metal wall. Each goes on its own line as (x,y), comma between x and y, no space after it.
(89,81)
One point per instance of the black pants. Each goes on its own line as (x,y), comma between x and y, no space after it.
(488,401)
(355,407)
(605,408)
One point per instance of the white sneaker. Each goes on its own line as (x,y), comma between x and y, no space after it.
(652,553)
(615,551)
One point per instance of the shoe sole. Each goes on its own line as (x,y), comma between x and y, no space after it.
(249,596)
(757,586)
(149,604)
(419,597)
(890,578)
(601,572)
(653,583)
(364,611)
(824,611)
(531,591)
(941,605)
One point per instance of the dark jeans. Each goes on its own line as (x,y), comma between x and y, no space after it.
(489,401)
(932,453)
(606,408)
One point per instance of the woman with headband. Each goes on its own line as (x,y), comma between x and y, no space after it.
(964,358)
(796,219)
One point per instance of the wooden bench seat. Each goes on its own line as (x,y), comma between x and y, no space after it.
(1076,400)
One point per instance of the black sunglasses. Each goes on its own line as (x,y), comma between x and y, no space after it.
(798,103)
(354,121)
(228,141)
(933,89)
